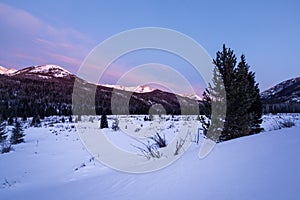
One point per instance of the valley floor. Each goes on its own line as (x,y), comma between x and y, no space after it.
(54,164)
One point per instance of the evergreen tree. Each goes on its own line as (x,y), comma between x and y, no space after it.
(214,100)
(3,135)
(24,118)
(243,106)
(206,109)
(17,134)
(103,122)
(36,121)
(10,121)
(70,119)
(4,144)
(3,116)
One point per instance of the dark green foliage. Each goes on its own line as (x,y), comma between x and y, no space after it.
(243,105)
(10,121)
(3,116)
(103,122)
(214,101)
(36,121)
(5,146)
(281,107)
(54,96)
(24,118)
(3,135)
(17,134)
(206,118)
(70,119)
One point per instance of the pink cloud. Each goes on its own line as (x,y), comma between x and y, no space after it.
(66,59)
(39,41)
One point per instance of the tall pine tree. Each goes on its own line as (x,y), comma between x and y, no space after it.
(214,100)
(243,106)
(103,122)
(17,134)
(3,135)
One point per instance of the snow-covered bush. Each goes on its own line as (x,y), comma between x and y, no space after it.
(115,125)
(287,123)
(6,147)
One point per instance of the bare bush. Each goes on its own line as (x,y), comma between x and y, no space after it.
(180,143)
(149,150)
(159,141)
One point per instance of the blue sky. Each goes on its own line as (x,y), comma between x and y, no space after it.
(64,32)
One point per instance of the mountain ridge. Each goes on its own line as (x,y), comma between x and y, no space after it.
(49,90)
(49,71)
(287,91)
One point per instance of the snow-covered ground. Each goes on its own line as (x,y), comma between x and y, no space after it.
(54,164)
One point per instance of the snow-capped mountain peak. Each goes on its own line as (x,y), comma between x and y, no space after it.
(192,96)
(138,89)
(6,71)
(44,72)
(54,70)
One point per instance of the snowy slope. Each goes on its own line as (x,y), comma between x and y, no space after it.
(6,71)
(43,71)
(138,89)
(53,164)
(146,89)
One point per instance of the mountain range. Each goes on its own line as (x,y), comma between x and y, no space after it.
(283,97)
(285,92)
(48,90)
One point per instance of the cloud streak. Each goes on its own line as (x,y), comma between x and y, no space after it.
(26,40)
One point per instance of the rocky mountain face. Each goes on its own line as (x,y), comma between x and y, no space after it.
(48,90)
(283,97)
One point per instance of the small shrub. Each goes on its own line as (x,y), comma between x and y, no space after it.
(179,144)
(159,141)
(6,148)
(137,130)
(115,125)
(36,121)
(149,150)
(287,123)
(91,119)
(10,121)
(70,119)
(103,122)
